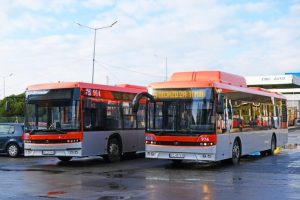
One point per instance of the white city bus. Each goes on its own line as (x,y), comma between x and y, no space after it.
(211,116)
(78,119)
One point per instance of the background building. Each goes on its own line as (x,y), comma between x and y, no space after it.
(288,85)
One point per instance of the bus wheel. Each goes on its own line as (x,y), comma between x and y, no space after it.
(113,151)
(65,158)
(273,145)
(236,153)
(12,150)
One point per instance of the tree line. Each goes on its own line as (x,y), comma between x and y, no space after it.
(12,106)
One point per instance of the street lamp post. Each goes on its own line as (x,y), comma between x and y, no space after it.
(4,77)
(95,32)
(166,65)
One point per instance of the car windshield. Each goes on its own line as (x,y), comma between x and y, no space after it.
(181,116)
(53,114)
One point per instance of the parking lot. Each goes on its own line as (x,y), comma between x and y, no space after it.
(269,177)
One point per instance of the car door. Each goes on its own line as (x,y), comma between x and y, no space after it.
(5,130)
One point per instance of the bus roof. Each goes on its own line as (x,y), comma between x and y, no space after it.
(62,85)
(223,80)
(201,79)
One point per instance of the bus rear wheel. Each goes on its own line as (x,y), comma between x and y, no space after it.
(64,158)
(273,145)
(236,152)
(113,151)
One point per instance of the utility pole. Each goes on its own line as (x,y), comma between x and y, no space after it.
(95,33)
(4,77)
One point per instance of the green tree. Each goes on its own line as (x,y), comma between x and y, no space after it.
(16,102)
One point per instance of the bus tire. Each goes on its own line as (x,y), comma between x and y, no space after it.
(236,152)
(64,158)
(273,145)
(113,151)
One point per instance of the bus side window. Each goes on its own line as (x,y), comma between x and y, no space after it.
(87,114)
(237,120)
(141,114)
(113,120)
(129,118)
(94,115)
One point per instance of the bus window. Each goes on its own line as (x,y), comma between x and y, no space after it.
(94,114)
(155,116)
(141,116)
(113,120)
(237,119)
(128,117)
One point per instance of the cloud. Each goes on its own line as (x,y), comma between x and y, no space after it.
(243,38)
(96,4)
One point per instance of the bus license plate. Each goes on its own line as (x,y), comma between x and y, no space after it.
(48,152)
(176,155)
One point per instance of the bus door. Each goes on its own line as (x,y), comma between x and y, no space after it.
(224,127)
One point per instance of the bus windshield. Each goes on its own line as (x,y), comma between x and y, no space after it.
(181,116)
(54,111)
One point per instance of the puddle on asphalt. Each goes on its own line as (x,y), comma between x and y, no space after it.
(116,186)
(32,170)
(113,198)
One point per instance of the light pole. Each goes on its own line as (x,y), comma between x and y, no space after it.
(4,77)
(166,64)
(95,31)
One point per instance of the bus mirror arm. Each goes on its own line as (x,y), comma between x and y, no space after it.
(137,98)
(220,104)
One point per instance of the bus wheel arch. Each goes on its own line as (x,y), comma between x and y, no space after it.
(114,148)
(236,151)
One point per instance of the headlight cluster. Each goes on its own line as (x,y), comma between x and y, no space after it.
(72,141)
(206,143)
(149,139)
(150,142)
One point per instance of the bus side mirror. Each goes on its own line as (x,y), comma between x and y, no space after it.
(7,106)
(136,100)
(220,104)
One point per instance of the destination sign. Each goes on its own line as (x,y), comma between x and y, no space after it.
(91,92)
(179,94)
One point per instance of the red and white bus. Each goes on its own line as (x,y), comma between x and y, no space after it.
(211,116)
(76,119)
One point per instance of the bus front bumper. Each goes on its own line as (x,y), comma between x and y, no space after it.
(181,152)
(53,150)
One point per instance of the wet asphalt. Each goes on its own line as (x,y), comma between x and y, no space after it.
(257,177)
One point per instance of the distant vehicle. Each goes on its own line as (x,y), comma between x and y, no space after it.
(11,138)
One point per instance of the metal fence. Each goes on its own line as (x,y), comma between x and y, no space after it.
(15,119)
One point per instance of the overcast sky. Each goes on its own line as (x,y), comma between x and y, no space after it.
(39,41)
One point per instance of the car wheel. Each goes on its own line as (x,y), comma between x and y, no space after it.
(12,150)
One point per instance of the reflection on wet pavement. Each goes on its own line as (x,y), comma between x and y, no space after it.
(257,177)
